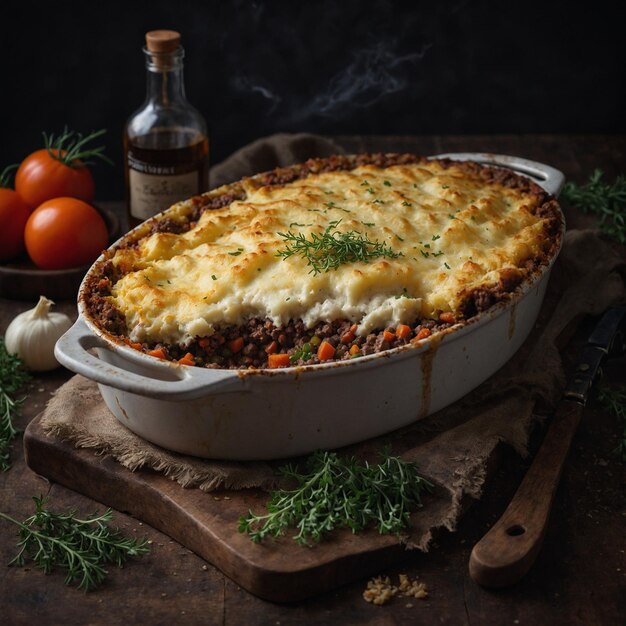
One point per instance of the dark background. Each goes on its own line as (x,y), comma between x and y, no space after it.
(353,67)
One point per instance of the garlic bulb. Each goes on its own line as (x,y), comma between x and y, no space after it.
(32,335)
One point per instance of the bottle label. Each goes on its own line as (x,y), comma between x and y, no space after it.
(151,193)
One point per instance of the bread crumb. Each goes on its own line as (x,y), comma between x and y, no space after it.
(380,591)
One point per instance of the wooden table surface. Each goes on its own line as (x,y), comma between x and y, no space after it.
(579,577)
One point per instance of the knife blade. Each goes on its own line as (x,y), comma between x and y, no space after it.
(508,550)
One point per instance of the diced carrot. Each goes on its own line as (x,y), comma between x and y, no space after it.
(187,359)
(278,360)
(354,349)
(348,336)
(236,344)
(136,346)
(159,353)
(422,334)
(403,331)
(204,343)
(272,348)
(447,317)
(388,336)
(326,351)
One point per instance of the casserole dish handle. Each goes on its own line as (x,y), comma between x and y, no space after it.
(544,175)
(171,381)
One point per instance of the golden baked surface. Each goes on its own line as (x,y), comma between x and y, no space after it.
(448,229)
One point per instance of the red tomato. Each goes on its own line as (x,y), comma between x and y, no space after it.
(42,177)
(14,213)
(64,232)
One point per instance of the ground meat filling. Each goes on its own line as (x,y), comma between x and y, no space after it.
(249,346)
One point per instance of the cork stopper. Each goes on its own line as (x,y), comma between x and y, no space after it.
(162,41)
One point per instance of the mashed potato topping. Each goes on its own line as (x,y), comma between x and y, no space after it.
(448,231)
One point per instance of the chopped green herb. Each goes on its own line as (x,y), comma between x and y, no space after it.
(606,201)
(386,183)
(400,238)
(80,547)
(368,223)
(426,245)
(424,254)
(334,492)
(303,352)
(13,377)
(405,203)
(237,252)
(447,266)
(332,248)
(213,276)
(435,237)
(445,186)
(452,217)
(439,253)
(379,201)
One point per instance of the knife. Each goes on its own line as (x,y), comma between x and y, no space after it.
(508,550)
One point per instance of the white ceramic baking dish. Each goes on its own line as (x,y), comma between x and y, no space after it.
(270,414)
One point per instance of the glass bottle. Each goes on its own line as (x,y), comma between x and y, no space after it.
(166,147)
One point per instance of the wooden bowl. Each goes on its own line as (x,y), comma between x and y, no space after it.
(20,279)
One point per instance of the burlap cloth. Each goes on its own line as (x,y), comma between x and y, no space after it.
(452,447)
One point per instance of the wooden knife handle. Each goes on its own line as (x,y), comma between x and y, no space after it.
(504,555)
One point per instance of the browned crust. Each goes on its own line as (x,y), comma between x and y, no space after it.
(102,276)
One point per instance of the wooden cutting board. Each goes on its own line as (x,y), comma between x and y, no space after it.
(207,524)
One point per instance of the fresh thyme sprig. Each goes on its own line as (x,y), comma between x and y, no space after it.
(333,248)
(71,148)
(13,377)
(337,492)
(81,547)
(613,399)
(602,199)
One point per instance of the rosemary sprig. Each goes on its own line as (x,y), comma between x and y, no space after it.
(602,199)
(332,248)
(71,148)
(613,400)
(337,492)
(81,547)
(13,377)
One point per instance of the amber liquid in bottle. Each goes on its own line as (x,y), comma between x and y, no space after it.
(166,145)
(163,167)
